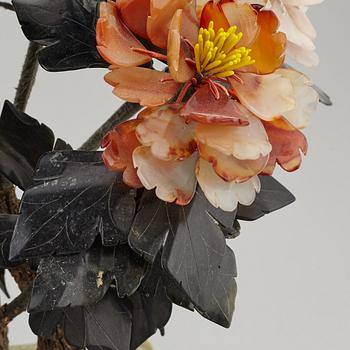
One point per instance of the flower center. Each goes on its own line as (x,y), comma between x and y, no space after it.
(216,53)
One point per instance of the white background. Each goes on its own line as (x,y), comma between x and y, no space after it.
(294,279)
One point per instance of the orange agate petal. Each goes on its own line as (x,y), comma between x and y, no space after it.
(178,50)
(119,145)
(269,47)
(161,14)
(213,12)
(141,85)
(115,41)
(134,14)
(203,107)
(287,144)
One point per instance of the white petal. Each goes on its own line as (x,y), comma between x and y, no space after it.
(289,27)
(308,58)
(225,195)
(302,2)
(162,129)
(242,142)
(302,21)
(267,96)
(173,180)
(305,96)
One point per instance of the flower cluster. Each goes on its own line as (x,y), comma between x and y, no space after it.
(225,110)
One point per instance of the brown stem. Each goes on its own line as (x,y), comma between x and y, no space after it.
(126,111)
(58,342)
(18,305)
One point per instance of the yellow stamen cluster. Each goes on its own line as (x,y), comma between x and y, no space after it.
(216,53)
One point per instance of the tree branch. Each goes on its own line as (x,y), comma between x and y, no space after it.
(28,75)
(125,112)
(6,6)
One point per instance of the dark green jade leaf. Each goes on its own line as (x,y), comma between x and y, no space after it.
(128,270)
(72,280)
(273,196)
(67,30)
(44,324)
(83,279)
(222,293)
(74,199)
(7,226)
(155,218)
(105,325)
(150,312)
(196,257)
(23,140)
(150,226)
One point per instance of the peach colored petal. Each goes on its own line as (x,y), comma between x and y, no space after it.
(115,41)
(161,13)
(142,85)
(190,23)
(166,133)
(308,58)
(119,145)
(287,145)
(203,107)
(267,96)
(248,142)
(222,194)
(134,14)
(245,18)
(230,168)
(178,50)
(305,97)
(173,180)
